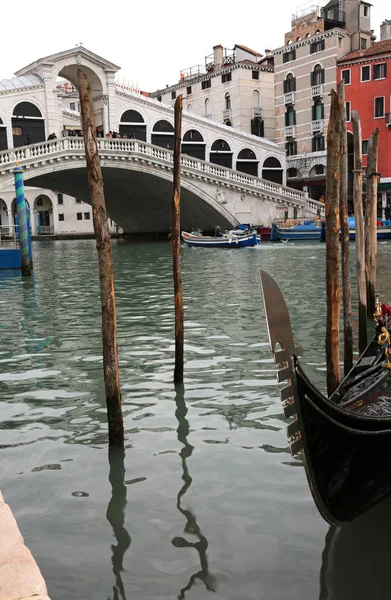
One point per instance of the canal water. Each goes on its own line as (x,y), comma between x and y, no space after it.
(208,499)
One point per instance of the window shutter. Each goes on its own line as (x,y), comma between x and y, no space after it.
(294,147)
(385,69)
(312,78)
(285,86)
(313,144)
(313,113)
(322,76)
(286,119)
(294,117)
(322,111)
(261,129)
(294,84)
(287,148)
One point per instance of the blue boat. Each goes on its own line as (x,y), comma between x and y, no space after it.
(383,229)
(225,241)
(306,230)
(10,257)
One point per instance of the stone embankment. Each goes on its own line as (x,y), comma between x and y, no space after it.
(20,577)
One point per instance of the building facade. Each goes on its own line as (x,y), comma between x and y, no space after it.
(234,87)
(305,72)
(367,76)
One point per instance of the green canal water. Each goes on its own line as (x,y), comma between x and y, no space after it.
(208,502)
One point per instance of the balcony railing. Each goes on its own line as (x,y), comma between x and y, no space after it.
(46,230)
(289,97)
(317,126)
(317,90)
(227,114)
(9,236)
(290,131)
(257,113)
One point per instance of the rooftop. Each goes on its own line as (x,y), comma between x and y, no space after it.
(376,48)
(17,83)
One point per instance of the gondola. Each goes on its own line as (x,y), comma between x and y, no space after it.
(345,440)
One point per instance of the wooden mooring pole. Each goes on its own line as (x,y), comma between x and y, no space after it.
(105,259)
(371,221)
(345,244)
(333,292)
(176,245)
(359,228)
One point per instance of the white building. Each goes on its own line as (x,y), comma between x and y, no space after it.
(235,87)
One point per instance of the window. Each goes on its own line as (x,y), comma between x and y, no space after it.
(348,117)
(318,111)
(188,90)
(39,202)
(319,169)
(173,95)
(317,76)
(363,43)
(227,101)
(60,199)
(346,76)
(257,127)
(78,201)
(366,11)
(291,148)
(366,73)
(208,112)
(379,107)
(206,84)
(288,56)
(379,71)
(255,74)
(317,46)
(365,146)
(340,42)
(72,105)
(256,99)
(289,84)
(79,216)
(290,117)
(87,216)
(159,98)
(16,131)
(226,77)
(318,143)
(61,216)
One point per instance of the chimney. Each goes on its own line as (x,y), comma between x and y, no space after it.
(385,30)
(267,52)
(218,56)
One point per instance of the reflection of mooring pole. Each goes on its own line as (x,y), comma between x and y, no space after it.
(116,516)
(191,526)
(21,211)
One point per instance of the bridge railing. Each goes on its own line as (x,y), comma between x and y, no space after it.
(131,146)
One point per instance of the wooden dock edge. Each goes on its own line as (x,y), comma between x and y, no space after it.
(20,577)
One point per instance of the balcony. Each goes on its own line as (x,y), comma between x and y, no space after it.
(317,126)
(257,113)
(289,97)
(317,90)
(227,114)
(290,131)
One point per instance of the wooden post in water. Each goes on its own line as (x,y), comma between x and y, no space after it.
(345,244)
(176,245)
(359,228)
(105,259)
(333,292)
(371,221)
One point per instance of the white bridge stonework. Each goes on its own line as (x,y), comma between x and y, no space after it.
(135,171)
(138,175)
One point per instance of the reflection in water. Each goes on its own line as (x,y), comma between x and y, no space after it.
(191,526)
(356,558)
(116,516)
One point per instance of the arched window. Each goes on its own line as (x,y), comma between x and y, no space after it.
(290,117)
(132,125)
(28,125)
(293,173)
(247,162)
(317,75)
(221,154)
(318,110)
(3,136)
(228,101)
(163,134)
(193,144)
(272,170)
(298,39)
(188,108)
(289,84)
(256,99)
(208,112)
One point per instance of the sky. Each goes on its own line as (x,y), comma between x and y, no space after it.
(152,41)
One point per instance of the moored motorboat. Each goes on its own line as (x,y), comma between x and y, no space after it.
(298,229)
(383,229)
(345,439)
(225,241)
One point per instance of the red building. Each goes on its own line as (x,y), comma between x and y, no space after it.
(367,76)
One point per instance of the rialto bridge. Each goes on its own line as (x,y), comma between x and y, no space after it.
(227,176)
